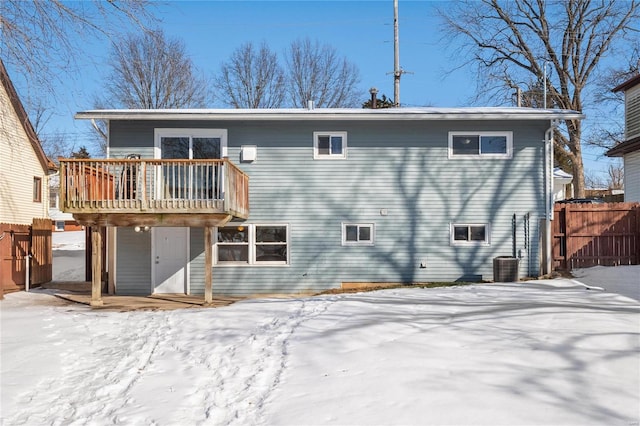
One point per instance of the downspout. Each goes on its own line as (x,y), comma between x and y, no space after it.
(548,153)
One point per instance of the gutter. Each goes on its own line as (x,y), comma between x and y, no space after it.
(548,174)
(393,114)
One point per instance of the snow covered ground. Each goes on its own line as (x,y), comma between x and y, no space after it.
(552,352)
(68,256)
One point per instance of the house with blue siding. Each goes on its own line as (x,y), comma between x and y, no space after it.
(243,202)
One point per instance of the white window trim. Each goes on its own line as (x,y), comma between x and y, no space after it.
(358,243)
(252,246)
(507,155)
(317,156)
(159,133)
(487,234)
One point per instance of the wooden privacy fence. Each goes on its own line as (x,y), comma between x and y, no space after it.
(17,242)
(586,235)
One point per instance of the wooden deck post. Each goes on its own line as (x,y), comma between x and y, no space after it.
(208,265)
(96,266)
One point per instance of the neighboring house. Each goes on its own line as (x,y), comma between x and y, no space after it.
(629,150)
(60,221)
(24,167)
(336,196)
(562,185)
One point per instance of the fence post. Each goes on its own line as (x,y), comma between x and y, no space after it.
(569,243)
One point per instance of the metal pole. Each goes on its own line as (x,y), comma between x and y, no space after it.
(396,57)
(544,81)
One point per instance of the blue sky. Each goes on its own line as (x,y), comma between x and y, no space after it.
(360,30)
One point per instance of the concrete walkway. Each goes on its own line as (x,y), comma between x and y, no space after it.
(80,292)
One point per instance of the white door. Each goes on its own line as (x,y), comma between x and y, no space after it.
(170,257)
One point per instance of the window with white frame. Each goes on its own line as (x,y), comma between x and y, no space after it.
(198,181)
(470,234)
(480,144)
(329,145)
(252,244)
(358,234)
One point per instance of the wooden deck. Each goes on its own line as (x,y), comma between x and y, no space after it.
(80,292)
(151,192)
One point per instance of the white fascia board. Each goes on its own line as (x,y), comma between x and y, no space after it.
(391,114)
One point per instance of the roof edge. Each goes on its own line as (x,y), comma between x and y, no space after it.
(397,114)
(23,117)
(625,147)
(627,84)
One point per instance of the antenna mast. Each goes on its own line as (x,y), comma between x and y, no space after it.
(397,72)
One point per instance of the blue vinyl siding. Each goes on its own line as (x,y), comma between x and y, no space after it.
(400,167)
(133,262)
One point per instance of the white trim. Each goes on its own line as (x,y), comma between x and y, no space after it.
(507,134)
(112,251)
(422,113)
(370,242)
(331,134)
(468,243)
(108,153)
(251,243)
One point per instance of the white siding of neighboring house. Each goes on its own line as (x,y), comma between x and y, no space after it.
(632,112)
(562,180)
(632,177)
(19,164)
(54,201)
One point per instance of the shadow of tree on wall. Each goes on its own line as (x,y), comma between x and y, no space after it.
(422,190)
(430,198)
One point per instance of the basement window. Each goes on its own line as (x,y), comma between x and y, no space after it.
(252,244)
(361,234)
(470,234)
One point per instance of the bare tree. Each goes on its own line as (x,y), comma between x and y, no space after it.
(40,39)
(616,175)
(613,180)
(564,40)
(317,73)
(149,71)
(608,133)
(57,145)
(252,78)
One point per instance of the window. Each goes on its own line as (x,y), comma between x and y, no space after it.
(329,145)
(469,234)
(190,180)
(37,189)
(252,245)
(233,244)
(480,144)
(362,234)
(59,225)
(53,198)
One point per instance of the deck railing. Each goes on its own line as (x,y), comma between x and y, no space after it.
(153,186)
